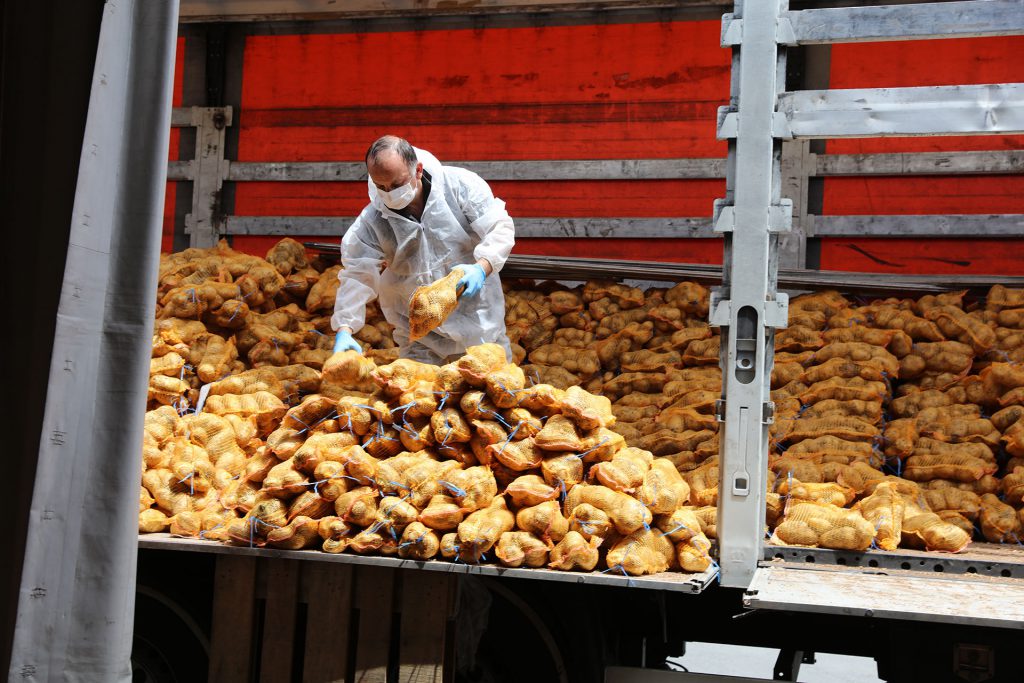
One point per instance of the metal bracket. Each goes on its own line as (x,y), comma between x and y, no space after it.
(729,124)
(785,33)
(723,216)
(780,126)
(720,410)
(768,412)
(776,313)
(780,216)
(732,30)
(721,310)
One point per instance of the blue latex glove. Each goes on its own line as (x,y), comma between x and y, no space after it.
(472,279)
(343,341)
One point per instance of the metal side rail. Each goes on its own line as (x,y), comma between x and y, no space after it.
(981,559)
(569,268)
(677,582)
(981,587)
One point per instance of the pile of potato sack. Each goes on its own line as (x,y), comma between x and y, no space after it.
(898,423)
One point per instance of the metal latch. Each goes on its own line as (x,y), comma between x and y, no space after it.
(720,410)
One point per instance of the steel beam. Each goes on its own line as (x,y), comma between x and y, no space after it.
(883,112)
(976,18)
(626,228)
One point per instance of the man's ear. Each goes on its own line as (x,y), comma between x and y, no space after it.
(419,170)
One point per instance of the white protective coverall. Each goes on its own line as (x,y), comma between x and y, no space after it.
(462,221)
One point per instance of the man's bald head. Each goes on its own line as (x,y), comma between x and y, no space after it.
(389,145)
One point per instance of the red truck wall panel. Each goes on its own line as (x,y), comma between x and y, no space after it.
(920,63)
(638,90)
(167,238)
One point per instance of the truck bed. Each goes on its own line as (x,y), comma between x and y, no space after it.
(667,581)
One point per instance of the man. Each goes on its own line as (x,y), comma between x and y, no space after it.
(423,220)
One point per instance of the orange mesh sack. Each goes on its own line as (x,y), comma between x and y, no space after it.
(645,551)
(848,428)
(964,327)
(703,483)
(912,404)
(951,466)
(579,361)
(559,434)
(625,471)
(418,542)
(481,530)
(480,361)
(833,449)
(590,521)
(587,410)
(829,493)
(845,389)
(936,358)
(999,522)
(828,302)
(860,352)
(474,488)
(663,489)
(869,411)
(442,513)
(346,372)
(1001,297)
(694,555)
(626,513)
(521,548)
(826,526)
(930,531)
(431,304)
(798,339)
(884,510)
(562,471)
(575,553)
(919,329)
(949,498)
(529,490)
(545,521)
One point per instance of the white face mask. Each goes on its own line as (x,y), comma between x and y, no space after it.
(400,197)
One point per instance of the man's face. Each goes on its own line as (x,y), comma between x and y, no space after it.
(389,172)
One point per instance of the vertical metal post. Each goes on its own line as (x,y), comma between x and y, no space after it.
(798,165)
(747,307)
(76,600)
(209,171)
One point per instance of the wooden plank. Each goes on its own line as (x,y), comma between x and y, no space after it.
(962,225)
(919,163)
(918,21)
(556,169)
(279,620)
(425,599)
(374,597)
(329,593)
(234,586)
(980,601)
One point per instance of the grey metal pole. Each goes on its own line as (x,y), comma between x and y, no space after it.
(747,307)
(76,601)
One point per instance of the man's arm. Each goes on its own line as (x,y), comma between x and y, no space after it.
(488,219)
(361,258)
